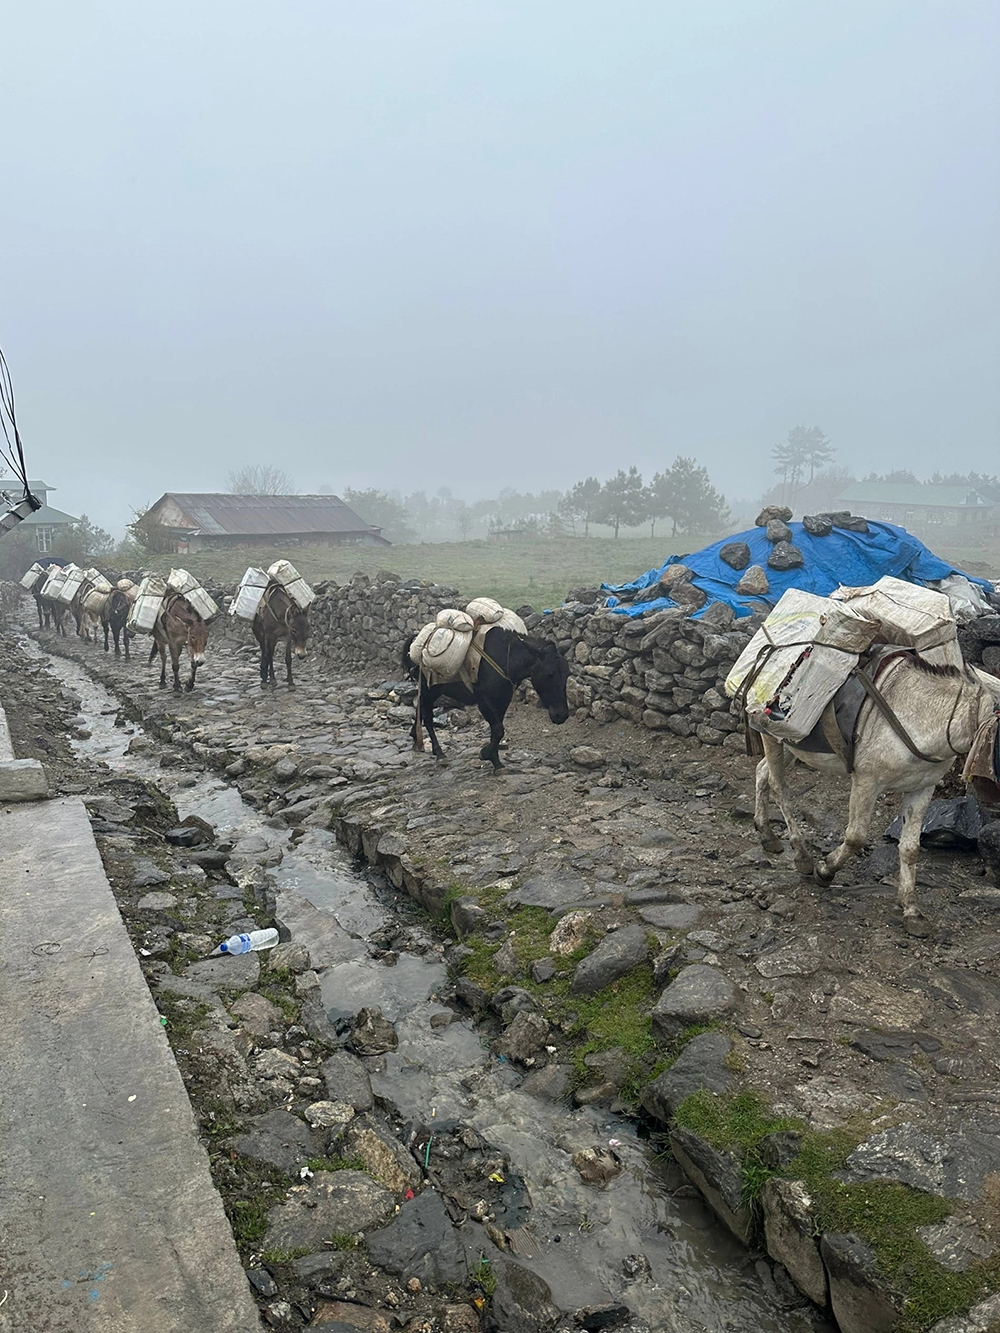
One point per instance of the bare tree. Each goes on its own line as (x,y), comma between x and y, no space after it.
(260,480)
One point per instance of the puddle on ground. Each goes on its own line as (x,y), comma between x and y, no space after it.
(701,1280)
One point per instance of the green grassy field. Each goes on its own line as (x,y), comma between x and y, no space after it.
(538,573)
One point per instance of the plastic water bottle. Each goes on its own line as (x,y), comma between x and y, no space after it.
(247,943)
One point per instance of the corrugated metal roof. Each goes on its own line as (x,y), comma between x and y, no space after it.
(915,494)
(280,515)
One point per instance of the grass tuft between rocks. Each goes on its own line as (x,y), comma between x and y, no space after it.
(887,1216)
(354,1163)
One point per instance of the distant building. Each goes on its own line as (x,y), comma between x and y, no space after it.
(922,505)
(46,525)
(202,522)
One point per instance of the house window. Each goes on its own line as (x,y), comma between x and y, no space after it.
(43,538)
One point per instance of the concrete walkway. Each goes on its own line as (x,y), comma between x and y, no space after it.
(109,1220)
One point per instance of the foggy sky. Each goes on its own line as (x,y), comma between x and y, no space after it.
(483,244)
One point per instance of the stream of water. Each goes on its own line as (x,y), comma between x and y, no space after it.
(700,1280)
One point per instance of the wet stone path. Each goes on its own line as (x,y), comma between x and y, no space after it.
(438,1117)
(603,876)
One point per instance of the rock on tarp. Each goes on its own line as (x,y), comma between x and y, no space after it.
(843,558)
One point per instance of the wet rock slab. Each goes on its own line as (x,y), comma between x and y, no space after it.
(699,994)
(700,1065)
(616,955)
(421,1242)
(336,1203)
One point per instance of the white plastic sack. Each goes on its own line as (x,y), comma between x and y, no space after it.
(484,609)
(201,603)
(798,620)
(964,597)
(445,652)
(252,586)
(801,655)
(53,582)
(31,576)
(420,642)
(453,619)
(907,615)
(179,580)
(70,586)
(147,605)
(97,580)
(285,573)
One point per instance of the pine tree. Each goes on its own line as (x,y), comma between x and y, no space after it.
(583,501)
(623,500)
(685,495)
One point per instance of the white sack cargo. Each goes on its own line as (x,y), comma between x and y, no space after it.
(71,585)
(485,610)
(906,615)
(31,576)
(285,573)
(95,601)
(420,642)
(180,581)
(797,661)
(53,582)
(147,605)
(201,603)
(97,580)
(252,585)
(129,588)
(965,598)
(440,649)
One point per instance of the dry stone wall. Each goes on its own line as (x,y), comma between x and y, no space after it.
(663,671)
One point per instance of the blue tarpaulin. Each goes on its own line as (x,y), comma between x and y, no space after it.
(843,559)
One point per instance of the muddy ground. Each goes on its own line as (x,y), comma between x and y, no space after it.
(621,942)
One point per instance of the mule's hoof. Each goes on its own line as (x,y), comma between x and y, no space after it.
(772,845)
(918,926)
(822,876)
(486,753)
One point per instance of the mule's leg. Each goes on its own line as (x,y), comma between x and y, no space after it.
(494,710)
(263,664)
(38,608)
(106,626)
(865,790)
(162,650)
(190,685)
(775,756)
(125,636)
(913,810)
(769,840)
(288,661)
(427,699)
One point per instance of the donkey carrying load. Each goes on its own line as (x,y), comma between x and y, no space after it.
(177,614)
(488,656)
(275,603)
(895,722)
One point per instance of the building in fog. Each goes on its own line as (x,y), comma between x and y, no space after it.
(189,523)
(922,504)
(46,525)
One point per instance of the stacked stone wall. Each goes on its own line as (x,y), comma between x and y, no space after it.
(663,672)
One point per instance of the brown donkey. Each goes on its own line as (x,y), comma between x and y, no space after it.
(177,626)
(279,617)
